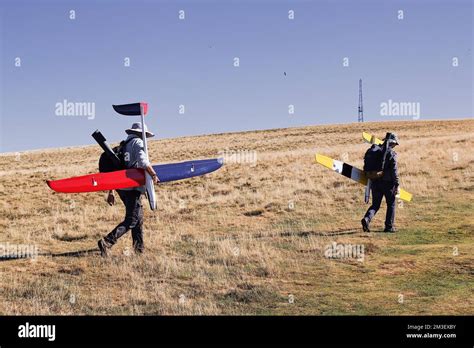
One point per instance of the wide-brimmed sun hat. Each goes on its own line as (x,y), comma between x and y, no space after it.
(137,129)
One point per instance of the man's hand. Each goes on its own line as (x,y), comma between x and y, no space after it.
(111,198)
(152,173)
(396,190)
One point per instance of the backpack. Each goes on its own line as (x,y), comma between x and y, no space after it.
(373,162)
(107,164)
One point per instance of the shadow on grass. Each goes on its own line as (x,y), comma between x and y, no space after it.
(78,253)
(318,233)
(302,234)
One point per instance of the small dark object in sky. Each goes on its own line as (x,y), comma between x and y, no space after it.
(284,73)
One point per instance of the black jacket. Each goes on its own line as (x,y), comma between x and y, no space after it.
(390,170)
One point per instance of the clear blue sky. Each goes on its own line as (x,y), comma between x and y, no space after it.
(190,62)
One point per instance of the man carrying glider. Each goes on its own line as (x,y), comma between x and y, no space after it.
(384,181)
(134,157)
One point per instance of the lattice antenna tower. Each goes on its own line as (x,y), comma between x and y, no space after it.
(360,116)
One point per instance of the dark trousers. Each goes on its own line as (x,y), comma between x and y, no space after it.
(379,190)
(133,220)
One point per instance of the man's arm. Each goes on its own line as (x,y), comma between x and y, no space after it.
(144,163)
(394,172)
(152,173)
(395,176)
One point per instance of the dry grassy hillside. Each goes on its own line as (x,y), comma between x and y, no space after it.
(249,239)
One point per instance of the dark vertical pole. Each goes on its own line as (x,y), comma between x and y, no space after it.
(361,107)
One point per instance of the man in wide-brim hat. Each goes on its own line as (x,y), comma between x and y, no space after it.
(136,129)
(134,157)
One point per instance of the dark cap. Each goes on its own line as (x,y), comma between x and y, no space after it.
(391,138)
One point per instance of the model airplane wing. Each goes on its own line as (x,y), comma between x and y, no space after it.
(129,178)
(371,139)
(352,173)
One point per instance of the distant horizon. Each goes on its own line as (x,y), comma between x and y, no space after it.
(111,141)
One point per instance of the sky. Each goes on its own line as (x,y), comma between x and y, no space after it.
(292,72)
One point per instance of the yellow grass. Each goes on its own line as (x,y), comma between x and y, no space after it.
(249,239)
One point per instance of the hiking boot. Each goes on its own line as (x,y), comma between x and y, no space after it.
(138,247)
(390,230)
(139,251)
(103,248)
(365,225)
